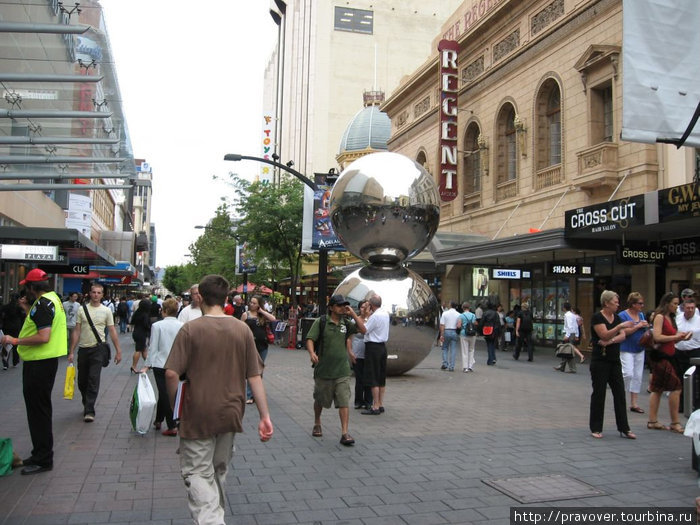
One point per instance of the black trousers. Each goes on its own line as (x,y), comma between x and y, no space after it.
(163,410)
(525,339)
(363,392)
(37,383)
(605,373)
(90,361)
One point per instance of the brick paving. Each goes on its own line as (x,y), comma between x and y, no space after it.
(422,462)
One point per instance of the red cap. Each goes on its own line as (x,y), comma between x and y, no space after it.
(35,275)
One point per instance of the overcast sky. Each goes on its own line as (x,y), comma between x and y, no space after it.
(191,77)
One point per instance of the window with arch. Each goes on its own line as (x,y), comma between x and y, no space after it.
(472,160)
(506,160)
(548,140)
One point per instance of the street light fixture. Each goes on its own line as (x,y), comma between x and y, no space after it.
(234,157)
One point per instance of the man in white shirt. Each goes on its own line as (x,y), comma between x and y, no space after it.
(448,336)
(570,336)
(91,356)
(71,307)
(688,321)
(687,293)
(376,335)
(192,310)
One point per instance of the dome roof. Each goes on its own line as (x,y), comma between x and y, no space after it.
(369,128)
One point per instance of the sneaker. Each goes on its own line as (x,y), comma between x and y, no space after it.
(371,412)
(443,367)
(89,418)
(450,369)
(470,369)
(465,370)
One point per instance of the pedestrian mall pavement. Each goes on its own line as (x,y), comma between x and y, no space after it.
(451,448)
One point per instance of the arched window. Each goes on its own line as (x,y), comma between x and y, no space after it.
(506,155)
(554,124)
(472,160)
(548,141)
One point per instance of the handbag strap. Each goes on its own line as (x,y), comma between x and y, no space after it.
(92,325)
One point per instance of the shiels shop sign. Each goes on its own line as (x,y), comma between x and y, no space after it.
(615,215)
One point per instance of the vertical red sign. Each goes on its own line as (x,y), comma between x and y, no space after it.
(448,50)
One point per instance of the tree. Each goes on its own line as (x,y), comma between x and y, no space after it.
(214,252)
(271,222)
(178,279)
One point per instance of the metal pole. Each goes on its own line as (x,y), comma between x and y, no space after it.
(235,158)
(322,280)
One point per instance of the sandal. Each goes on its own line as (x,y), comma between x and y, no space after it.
(638,410)
(597,435)
(677,428)
(655,425)
(317,432)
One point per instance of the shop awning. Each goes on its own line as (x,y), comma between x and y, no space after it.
(73,246)
(119,268)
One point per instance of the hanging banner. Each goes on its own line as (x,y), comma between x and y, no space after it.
(448,50)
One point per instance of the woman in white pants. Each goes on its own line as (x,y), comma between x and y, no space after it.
(631,353)
(466,327)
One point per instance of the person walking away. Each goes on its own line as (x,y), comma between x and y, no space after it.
(523,332)
(192,310)
(91,356)
(123,314)
(631,352)
(329,343)
(448,336)
(664,377)
(141,322)
(156,313)
(376,336)
(607,332)
(491,328)
(688,321)
(363,392)
(216,354)
(71,307)
(42,340)
(12,317)
(258,320)
(466,326)
(162,337)
(571,336)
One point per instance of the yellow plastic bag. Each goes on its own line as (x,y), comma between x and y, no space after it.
(69,386)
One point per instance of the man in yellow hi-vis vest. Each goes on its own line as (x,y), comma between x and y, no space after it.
(42,340)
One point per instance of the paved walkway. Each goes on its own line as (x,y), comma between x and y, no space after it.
(425,461)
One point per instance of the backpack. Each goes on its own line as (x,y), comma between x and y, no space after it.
(490,321)
(122,309)
(526,321)
(467,326)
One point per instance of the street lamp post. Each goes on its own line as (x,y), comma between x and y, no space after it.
(234,157)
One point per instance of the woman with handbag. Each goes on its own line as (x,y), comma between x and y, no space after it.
(631,352)
(663,372)
(141,321)
(607,332)
(258,320)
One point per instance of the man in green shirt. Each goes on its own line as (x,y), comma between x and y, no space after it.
(330,349)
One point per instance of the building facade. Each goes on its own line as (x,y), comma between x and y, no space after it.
(536,116)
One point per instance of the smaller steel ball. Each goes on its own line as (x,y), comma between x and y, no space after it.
(385,208)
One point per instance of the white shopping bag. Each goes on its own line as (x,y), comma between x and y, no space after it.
(143,405)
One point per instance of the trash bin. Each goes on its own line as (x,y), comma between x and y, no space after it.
(691,400)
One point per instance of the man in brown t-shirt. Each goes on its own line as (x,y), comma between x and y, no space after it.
(216,354)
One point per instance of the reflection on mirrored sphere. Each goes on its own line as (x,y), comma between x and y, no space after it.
(385,208)
(409,301)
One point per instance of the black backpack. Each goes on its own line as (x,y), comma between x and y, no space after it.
(122,309)
(526,321)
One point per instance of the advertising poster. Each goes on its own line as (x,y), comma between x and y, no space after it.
(245,262)
(480,282)
(323,235)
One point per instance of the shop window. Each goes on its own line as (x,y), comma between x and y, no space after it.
(354,20)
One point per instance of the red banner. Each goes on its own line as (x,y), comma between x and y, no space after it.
(448,50)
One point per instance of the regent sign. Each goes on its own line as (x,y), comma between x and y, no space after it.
(448,50)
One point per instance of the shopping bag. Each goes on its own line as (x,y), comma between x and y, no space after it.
(69,385)
(143,405)
(5,456)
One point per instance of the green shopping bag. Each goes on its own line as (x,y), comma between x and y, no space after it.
(5,456)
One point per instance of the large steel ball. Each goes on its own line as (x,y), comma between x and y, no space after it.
(385,208)
(411,304)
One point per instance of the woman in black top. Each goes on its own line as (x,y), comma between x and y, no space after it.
(141,321)
(607,332)
(257,319)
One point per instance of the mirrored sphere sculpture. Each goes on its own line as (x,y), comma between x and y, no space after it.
(411,304)
(385,209)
